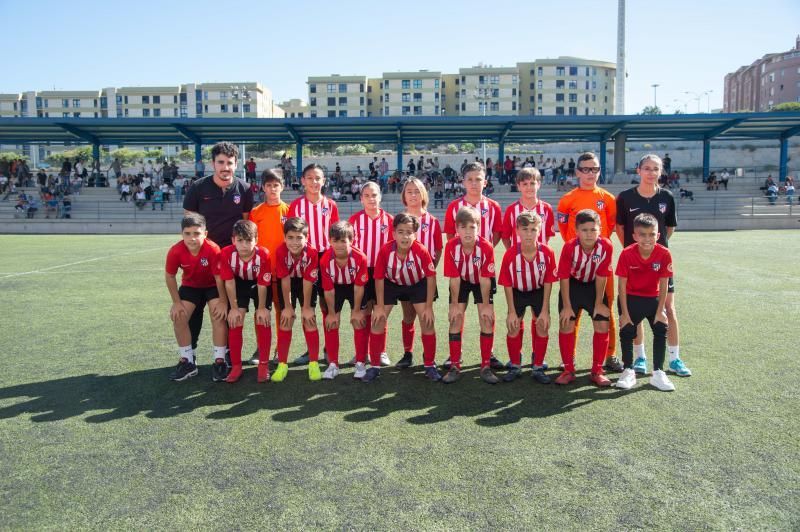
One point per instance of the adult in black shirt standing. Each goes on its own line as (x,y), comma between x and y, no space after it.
(222,199)
(650,198)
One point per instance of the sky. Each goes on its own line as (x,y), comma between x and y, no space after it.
(686,47)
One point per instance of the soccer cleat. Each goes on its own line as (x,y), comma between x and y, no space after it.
(385,360)
(540,376)
(361,370)
(433,374)
(234,375)
(263,372)
(679,368)
(599,379)
(452,376)
(495,364)
(371,375)
(544,365)
(447,364)
(661,381)
(183,371)
(301,360)
(219,370)
(253,359)
(566,377)
(613,364)
(281,372)
(640,366)
(331,373)
(313,371)
(627,380)
(488,377)
(512,374)
(406,361)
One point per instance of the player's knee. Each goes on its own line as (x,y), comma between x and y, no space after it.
(628,332)
(660,329)
(601,326)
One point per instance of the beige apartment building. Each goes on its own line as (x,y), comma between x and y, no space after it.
(295,108)
(567,86)
(337,96)
(487,90)
(411,93)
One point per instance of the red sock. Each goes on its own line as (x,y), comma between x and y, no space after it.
(514,344)
(235,345)
(539,348)
(408,336)
(566,344)
(385,337)
(487,343)
(284,341)
(599,350)
(376,340)
(332,345)
(361,341)
(455,350)
(264,341)
(312,343)
(429,349)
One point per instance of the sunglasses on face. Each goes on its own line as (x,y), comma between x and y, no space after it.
(589,169)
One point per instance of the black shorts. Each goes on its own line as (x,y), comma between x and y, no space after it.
(466,288)
(533,299)
(342,293)
(198,296)
(247,290)
(296,293)
(582,297)
(392,293)
(640,308)
(369,288)
(671,285)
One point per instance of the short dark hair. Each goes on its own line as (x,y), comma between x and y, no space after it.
(245,229)
(225,148)
(341,230)
(193,220)
(587,156)
(313,166)
(296,224)
(528,173)
(273,175)
(645,220)
(586,215)
(527,218)
(473,167)
(405,218)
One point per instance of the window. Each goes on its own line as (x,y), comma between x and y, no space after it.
(361,100)
(235,108)
(312,88)
(405,84)
(594,85)
(313,101)
(514,79)
(331,87)
(223,108)
(386,97)
(417,83)
(494,80)
(331,114)
(538,97)
(513,106)
(205,95)
(342,87)
(145,112)
(361,87)
(145,99)
(514,91)
(436,96)
(175,98)
(386,111)
(560,72)
(559,97)
(385,84)
(539,71)
(38,102)
(573,71)
(539,111)
(481,107)
(585,98)
(64,103)
(76,102)
(157,99)
(559,83)
(559,110)
(463,106)
(587,73)
(343,114)
(417,96)
(495,93)
(573,98)
(539,84)
(223,95)
(594,71)
(342,100)
(331,101)
(119,99)
(313,114)
(481,80)
(594,97)
(417,109)
(66,115)
(436,85)
(573,111)
(406,110)
(573,84)
(157,112)
(436,110)
(531,86)
(76,115)
(586,85)
(205,108)
(406,97)
(361,113)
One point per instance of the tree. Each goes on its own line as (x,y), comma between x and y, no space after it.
(786,107)
(467,147)
(127,156)
(651,110)
(186,155)
(83,153)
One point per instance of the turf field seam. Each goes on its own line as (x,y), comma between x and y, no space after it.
(93,259)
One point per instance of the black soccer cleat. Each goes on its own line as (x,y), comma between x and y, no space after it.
(219,370)
(406,361)
(183,371)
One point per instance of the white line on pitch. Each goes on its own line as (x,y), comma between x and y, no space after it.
(43,270)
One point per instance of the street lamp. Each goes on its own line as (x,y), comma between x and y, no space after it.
(242,94)
(698,96)
(655,93)
(483,94)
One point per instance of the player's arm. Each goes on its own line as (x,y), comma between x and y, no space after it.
(332,319)
(262,312)
(379,312)
(512,320)
(543,319)
(622,288)
(306,312)
(356,314)
(506,242)
(661,314)
(235,315)
(567,314)
(620,231)
(496,236)
(287,314)
(176,310)
(454,311)
(485,309)
(219,310)
(600,308)
(670,230)
(427,314)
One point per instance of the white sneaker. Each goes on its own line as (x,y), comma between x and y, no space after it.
(385,360)
(331,372)
(661,381)
(361,370)
(627,380)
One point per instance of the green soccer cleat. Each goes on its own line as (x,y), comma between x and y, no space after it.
(280,373)
(314,374)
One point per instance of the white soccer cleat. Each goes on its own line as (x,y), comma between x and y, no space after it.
(331,373)
(361,370)
(661,381)
(627,380)
(385,360)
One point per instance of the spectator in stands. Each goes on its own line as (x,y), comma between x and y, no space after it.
(4,184)
(768,183)
(772,194)
(724,176)
(66,206)
(11,188)
(178,184)
(667,162)
(164,188)
(158,199)
(41,177)
(250,169)
(139,198)
(33,206)
(711,182)
(200,168)
(116,166)
(789,190)
(50,204)
(571,167)
(124,190)
(412,168)
(383,167)
(21,208)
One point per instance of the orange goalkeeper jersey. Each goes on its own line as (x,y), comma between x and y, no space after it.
(599,200)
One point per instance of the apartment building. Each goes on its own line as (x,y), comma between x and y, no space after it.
(337,96)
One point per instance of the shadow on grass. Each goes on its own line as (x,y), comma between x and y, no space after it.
(148,392)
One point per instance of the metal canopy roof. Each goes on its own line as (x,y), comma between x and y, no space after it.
(392,130)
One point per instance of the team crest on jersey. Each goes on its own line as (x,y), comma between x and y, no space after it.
(384,227)
(562,218)
(595,258)
(351,270)
(656,266)
(237,199)
(424,226)
(313,274)
(267,277)
(484,211)
(204,262)
(662,207)
(283,220)
(256,267)
(476,259)
(601,204)
(491,268)
(409,264)
(431,267)
(324,211)
(669,267)
(540,267)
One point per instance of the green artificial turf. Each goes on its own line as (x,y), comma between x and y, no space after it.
(93,435)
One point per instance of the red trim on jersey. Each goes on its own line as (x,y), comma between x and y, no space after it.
(319,217)
(585,267)
(528,275)
(472,266)
(408,271)
(429,233)
(371,234)
(258,268)
(305,266)
(353,272)
(545,212)
(489,210)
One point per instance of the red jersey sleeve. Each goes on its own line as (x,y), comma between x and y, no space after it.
(425,260)
(379,272)
(604,269)
(507,229)
(292,209)
(450,269)
(325,274)
(281,270)
(450,219)
(550,268)
(334,211)
(311,272)
(362,273)
(173,260)
(437,235)
(550,230)
(224,263)
(265,274)
(666,270)
(623,262)
(487,269)
(497,215)
(565,261)
(505,274)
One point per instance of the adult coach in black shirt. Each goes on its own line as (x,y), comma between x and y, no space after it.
(650,198)
(222,199)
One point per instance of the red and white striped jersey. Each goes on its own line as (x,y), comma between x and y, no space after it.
(319,217)
(305,266)
(429,233)
(406,271)
(353,272)
(528,275)
(545,212)
(469,266)
(371,234)
(585,267)
(257,269)
(489,209)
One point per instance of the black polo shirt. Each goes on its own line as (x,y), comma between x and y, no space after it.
(221,208)
(630,204)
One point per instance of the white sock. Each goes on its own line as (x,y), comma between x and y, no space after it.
(674,351)
(219,352)
(186,352)
(638,351)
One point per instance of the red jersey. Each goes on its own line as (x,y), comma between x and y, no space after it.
(545,212)
(469,266)
(585,267)
(305,266)
(258,268)
(489,210)
(528,275)
(371,234)
(319,216)
(644,274)
(429,233)
(353,272)
(198,270)
(407,271)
